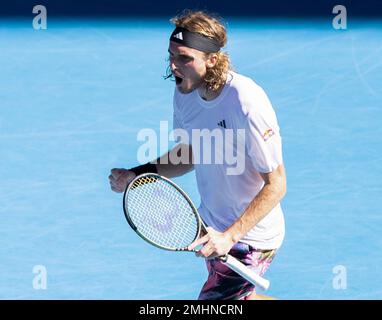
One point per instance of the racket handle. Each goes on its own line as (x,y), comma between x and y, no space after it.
(245,272)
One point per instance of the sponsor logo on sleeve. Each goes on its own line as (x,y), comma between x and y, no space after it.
(267,134)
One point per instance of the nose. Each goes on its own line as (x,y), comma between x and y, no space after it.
(173,65)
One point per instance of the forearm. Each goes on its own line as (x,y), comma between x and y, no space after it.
(176,162)
(270,195)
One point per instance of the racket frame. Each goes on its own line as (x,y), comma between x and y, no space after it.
(200,224)
(227,259)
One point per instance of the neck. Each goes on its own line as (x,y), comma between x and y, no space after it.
(208,94)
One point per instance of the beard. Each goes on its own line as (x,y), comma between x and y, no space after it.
(187,85)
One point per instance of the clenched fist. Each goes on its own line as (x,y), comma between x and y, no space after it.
(120,178)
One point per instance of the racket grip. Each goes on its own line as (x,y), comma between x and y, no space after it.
(246,272)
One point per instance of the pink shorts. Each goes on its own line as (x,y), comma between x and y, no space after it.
(225,284)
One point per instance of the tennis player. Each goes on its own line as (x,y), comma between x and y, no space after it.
(242,210)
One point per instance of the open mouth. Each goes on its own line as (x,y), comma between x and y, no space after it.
(178,80)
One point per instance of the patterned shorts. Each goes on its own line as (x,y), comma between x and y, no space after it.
(225,284)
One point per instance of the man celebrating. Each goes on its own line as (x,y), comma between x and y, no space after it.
(242,210)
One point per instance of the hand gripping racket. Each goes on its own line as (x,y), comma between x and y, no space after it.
(162,214)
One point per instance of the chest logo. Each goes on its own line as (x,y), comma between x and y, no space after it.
(222,124)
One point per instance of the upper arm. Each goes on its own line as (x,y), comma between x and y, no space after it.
(263,139)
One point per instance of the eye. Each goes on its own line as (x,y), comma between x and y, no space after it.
(185,59)
(182,58)
(170,58)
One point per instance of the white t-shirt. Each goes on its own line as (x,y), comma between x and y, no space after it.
(244,109)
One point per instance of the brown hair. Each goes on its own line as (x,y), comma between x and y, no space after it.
(210,26)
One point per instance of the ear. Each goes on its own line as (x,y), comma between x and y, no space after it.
(211,60)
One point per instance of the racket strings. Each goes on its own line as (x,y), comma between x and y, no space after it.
(161,213)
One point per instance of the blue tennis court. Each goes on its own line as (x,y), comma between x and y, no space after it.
(75,96)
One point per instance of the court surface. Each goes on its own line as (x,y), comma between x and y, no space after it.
(74,97)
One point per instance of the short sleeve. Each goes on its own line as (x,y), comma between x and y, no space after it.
(263,140)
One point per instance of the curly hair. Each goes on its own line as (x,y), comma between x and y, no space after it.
(212,26)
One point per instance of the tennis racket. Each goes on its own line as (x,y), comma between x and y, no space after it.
(162,214)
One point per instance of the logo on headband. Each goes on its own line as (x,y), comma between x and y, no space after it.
(195,40)
(178,36)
